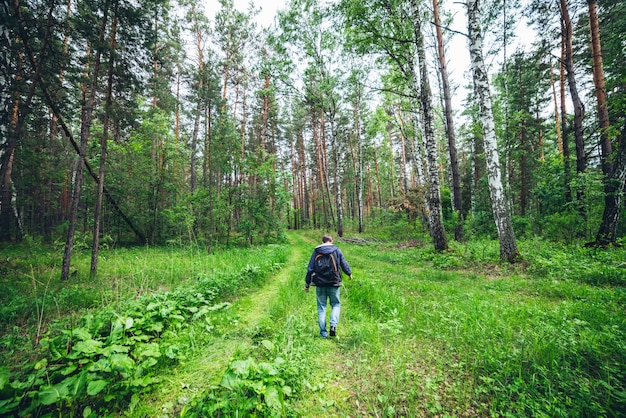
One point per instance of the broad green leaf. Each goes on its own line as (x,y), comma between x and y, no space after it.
(149,350)
(115,348)
(219,306)
(4,376)
(148,363)
(172,351)
(229,380)
(129,323)
(41,364)
(152,306)
(272,398)
(143,381)
(51,394)
(69,369)
(87,412)
(155,326)
(8,405)
(117,330)
(241,367)
(78,385)
(87,346)
(96,386)
(81,334)
(122,363)
(102,365)
(268,344)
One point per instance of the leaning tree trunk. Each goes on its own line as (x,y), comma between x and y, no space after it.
(437,229)
(501,214)
(450,132)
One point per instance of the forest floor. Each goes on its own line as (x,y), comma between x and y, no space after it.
(421,334)
(330,387)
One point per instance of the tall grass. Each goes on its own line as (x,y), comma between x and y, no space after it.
(422,333)
(488,338)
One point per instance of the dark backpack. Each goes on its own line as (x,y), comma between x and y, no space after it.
(326,271)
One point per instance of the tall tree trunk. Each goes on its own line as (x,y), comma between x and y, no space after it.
(49,211)
(392,164)
(614,174)
(19,113)
(68,133)
(457,198)
(337,174)
(303,175)
(434,195)
(557,121)
(326,169)
(501,214)
(103,148)
(199,97)
(579,109)
(600,89)
(89,98)
(523,179)
(564,125)
(378,184)
(297,185)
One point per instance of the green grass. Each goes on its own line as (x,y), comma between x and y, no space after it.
(421,333)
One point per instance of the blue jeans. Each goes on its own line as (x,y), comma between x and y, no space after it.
(323,294)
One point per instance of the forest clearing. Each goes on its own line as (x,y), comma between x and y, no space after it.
(167,167)
(422,333)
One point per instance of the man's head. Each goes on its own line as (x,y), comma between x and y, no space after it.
(327,239)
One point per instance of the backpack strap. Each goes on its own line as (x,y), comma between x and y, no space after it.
(331,257)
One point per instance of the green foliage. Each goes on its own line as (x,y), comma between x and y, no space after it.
(248,388)
(102,363)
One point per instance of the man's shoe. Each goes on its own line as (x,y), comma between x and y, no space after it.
(333,331)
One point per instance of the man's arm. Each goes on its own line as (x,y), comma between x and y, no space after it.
(309,272)
(344,264)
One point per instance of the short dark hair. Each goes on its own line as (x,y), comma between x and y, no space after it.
(327,238)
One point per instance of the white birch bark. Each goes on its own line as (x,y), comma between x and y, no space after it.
(501,213)
(435,216)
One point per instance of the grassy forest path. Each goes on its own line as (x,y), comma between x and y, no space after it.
(416,338)
(248,318)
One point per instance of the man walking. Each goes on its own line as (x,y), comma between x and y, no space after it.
(324,272)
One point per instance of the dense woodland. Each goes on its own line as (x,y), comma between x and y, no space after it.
(157,121)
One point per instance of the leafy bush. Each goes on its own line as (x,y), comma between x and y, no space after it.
(248,388)
(110,357)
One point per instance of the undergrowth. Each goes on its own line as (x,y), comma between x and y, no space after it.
(114,353)
(422,333)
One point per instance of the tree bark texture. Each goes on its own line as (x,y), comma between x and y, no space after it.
(501,214)
(434,195)
(89,98)
(579,109)
(457,198)
(614,173)
(103,148)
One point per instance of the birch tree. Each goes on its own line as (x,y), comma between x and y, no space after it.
(394,29)
(500,207)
